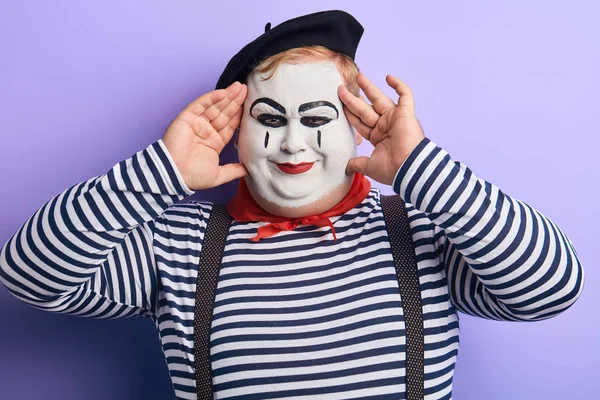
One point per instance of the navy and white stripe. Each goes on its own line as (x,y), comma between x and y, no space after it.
(296,315)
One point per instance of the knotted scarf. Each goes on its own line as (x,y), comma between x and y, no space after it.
(244,208)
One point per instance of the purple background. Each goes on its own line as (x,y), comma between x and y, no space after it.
(509,89)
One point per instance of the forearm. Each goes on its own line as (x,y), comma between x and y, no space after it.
(504,259)
(62,245)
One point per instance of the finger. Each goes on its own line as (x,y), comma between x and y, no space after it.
(379,100)
(385,124)
(229,172)
(360,127)
(198,106)
(214,110)
(231,109)
(241,96)
(227,131)
(377,136)
(357,164)
(406,96)
(204,130)
(210,100)
(358,107)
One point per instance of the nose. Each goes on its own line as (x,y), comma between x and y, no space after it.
(294,140)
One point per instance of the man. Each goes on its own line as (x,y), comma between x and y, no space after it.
(307,301)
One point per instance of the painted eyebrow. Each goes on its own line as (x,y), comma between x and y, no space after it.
(313,104)
(269,102)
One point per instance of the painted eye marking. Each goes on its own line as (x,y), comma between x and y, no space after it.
(319,138)
(317,113)
(268,112)
(266,139)
(314,121)
(268,102)
(315,104)
(271,120)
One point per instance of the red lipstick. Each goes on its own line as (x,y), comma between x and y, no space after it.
(289,168)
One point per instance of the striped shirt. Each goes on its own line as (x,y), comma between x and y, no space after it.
(296,315)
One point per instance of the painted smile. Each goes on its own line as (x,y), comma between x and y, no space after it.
(289,168)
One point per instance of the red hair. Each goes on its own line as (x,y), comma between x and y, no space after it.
(346,66)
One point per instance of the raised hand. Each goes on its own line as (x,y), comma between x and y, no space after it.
(391,128)
(199,133)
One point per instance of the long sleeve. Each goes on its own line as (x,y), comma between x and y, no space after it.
(504,260)
(88,251)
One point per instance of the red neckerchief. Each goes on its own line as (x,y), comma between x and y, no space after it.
(244,208)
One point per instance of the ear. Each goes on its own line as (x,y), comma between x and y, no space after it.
(359,137)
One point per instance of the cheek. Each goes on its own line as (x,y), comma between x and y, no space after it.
(335,140)
(255,142)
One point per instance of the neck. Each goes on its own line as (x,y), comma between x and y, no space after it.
(323,204)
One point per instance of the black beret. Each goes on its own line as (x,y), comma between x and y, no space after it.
(337,30)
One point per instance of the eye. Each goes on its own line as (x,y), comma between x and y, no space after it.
(272,121)
(313,122)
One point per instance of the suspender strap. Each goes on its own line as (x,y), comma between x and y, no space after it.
(208,273)
(403,251)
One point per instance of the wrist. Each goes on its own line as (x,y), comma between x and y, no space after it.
(408,164)
(178,174)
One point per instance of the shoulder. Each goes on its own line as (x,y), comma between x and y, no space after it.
(192,212)
(376,197)
(420,224)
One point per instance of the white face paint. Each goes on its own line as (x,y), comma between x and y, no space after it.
(294,137)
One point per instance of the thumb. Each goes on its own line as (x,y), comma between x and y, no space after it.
(229,172)
(357,164)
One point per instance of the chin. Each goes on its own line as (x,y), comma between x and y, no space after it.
(294,198)
(294,191)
